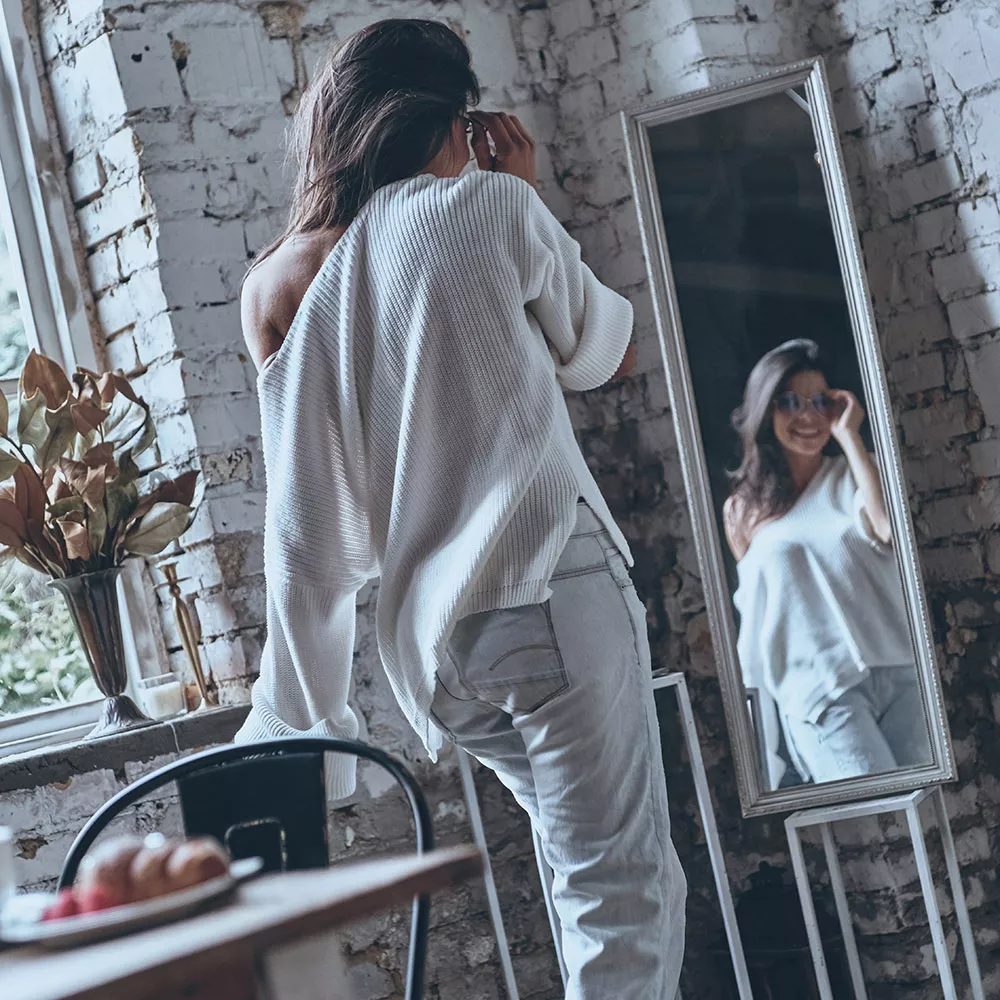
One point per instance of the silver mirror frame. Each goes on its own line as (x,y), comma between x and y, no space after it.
(755,800)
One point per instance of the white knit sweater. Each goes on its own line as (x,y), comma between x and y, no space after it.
(821,603)
(413,430)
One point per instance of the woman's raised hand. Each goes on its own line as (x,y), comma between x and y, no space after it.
(515,149)
(851,417)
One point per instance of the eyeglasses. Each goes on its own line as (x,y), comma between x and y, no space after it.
(792,404)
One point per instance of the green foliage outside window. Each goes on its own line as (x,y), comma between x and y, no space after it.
(13,340)
(41,662)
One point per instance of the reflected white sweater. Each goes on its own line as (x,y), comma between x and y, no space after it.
(820,602)
(413,430)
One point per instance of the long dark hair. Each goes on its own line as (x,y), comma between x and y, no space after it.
(762,485)
(377,111)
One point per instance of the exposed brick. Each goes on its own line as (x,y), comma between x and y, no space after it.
(88,99)
(924,183)
(964,47)
(973,270)
(981,116)
(569,16)
(589,52)
(932,132)
(984,373)
(933,426)
(146,69)
(957,515)
(985,457)
(954,563)
(917,374)
(973,316)
(866,58)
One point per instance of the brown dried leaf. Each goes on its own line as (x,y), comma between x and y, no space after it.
(93,487)
(163,524)
(113,383)
(12,520)
(75,473)
(86,383)
(76,538)
(180,490)
(29,496)
(8,462)
(61,434)
(42,374)
(101,454)
(58,489)
(87,417)
(67,505)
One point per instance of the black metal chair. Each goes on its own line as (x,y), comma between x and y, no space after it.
(269,800)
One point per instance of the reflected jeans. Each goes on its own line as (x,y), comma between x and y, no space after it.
(876,726)
(557,699)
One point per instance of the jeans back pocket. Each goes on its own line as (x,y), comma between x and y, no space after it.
(510,658)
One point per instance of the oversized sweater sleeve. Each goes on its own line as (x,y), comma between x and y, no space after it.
(586,323)
(317,548)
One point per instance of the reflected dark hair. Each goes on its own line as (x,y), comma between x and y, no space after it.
(378,110)
(763,482)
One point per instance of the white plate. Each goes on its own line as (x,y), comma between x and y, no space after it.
(119,920)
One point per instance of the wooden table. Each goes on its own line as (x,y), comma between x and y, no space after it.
(216,954)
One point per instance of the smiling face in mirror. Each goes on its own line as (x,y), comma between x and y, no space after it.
(803,413)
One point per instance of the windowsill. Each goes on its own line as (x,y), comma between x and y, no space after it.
(61,762)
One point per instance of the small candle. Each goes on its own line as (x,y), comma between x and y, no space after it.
(163,696)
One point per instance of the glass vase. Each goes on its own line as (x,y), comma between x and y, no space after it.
(93,602)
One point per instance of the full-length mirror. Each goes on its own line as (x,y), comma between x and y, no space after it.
(791,464)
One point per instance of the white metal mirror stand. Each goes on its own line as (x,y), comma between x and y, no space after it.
(909,804)
(661,679)
(492,900)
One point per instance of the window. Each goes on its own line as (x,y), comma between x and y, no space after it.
(45,684)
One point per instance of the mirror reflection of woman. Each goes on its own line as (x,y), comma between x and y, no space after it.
(823,621)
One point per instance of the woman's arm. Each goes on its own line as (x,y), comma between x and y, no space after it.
(846,430)
(588,326)
(734,527)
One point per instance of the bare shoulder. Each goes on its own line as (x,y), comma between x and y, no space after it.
(274,289)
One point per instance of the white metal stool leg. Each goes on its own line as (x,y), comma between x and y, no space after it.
(930,901)
(958,894)
(808,912)
(718,859)
(492,899)
(843,913)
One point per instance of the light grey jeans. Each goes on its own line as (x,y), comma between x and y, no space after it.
(875,726)
(557,699)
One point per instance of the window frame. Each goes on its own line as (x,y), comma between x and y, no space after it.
(35,219)
(32,206)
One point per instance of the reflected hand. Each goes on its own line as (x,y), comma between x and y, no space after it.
(515,149)
(852,416)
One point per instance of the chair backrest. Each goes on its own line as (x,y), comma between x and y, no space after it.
(269,799)
(270,807)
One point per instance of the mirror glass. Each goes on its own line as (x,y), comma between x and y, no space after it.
(824,636)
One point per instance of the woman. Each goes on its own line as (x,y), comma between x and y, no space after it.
(823,622)
(412,327)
